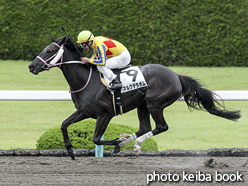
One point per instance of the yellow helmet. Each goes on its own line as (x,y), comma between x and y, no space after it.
(85,36)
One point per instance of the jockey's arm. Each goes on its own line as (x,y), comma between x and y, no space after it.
(99,56)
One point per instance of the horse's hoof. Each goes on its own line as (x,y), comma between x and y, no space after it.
(115,150)
(71,153)
(137,152)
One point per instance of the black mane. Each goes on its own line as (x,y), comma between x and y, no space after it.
(69,45)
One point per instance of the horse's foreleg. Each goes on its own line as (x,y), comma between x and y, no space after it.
(75,117)
(101,125)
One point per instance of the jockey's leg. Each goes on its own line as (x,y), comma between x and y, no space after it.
(106,72)
(119,61)
(114,82)
(115,62)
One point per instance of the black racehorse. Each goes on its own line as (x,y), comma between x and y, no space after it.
(93,100)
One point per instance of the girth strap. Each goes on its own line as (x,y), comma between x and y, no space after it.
(116,98)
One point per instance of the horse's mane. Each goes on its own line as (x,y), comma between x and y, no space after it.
(69,45)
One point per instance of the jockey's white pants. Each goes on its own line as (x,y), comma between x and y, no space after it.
(114,62)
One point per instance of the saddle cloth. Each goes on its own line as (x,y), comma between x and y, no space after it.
(131,78)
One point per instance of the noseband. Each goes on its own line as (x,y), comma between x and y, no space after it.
(53,63)
(55,57)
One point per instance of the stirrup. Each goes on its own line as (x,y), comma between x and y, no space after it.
(115,84)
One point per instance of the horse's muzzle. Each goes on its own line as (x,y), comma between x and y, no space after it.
(32,69)
(35,70)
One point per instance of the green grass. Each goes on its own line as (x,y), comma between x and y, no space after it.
(15,76)
(22,122)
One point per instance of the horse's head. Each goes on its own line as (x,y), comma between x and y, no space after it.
(50,56)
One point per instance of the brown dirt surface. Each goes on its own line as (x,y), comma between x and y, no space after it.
(49,170)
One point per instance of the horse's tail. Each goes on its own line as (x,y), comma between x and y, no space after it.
(202,99)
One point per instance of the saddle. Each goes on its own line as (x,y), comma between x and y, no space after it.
(116,94)
(131,78)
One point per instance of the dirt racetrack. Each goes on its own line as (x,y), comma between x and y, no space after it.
(49,170)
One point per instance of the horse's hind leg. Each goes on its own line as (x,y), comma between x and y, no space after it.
(144,118)
(161,126)
(145,126)
(156,107)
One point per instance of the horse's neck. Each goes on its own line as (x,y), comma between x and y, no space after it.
(76,75)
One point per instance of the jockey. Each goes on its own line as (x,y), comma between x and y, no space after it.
(107,54)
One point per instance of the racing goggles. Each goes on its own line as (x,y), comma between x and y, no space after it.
(84,44)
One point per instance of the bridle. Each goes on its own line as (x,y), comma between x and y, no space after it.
(55,58)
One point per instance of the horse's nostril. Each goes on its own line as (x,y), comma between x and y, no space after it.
(31,67)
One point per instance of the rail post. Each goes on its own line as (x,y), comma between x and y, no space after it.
(99,149)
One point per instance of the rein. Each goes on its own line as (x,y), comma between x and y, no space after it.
(72,92)
(56,57)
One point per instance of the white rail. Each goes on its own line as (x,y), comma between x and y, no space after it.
(232,95)
(59,95)
(34,95)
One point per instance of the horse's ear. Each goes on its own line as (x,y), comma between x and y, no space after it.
(53,40)
(62,40)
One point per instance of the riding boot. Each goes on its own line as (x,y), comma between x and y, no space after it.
(115,84)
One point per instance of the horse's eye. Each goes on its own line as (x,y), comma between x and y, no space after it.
(49,51)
